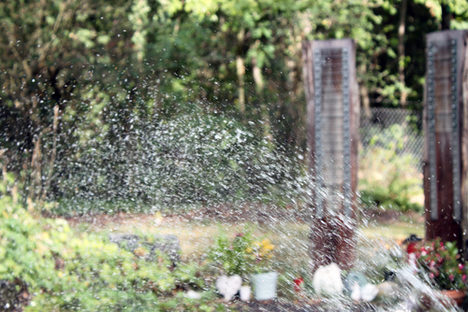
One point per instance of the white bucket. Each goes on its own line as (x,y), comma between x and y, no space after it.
(264,285)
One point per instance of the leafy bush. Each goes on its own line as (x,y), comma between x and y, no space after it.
(387,177)
(58,269)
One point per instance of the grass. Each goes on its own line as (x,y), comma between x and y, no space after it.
(396,231)
(196,236)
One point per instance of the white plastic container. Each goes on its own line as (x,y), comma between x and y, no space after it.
(264,285)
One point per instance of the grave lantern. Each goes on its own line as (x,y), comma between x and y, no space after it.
(446,130)
(332,136)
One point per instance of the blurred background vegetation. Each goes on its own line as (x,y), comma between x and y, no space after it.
(78,76)
(389,177)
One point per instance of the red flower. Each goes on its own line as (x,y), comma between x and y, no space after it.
(298,283)
(411,248)
(423,252)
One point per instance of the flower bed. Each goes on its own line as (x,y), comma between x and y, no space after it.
(443,264)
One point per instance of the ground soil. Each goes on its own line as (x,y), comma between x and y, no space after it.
(276,306)
(241,213)
(223,213)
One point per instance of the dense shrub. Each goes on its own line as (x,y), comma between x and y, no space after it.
(387,177)
(191,159)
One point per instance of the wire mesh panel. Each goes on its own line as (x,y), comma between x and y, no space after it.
(332,122)
(443,123)
(407,132)
(332,136)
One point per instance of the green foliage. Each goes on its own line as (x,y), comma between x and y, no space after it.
(186,160)
(187,275)
(66,271)
(384,198)
(231,255)
(388,178)
(241,255)
(78,72)
(78,76)
(20,255)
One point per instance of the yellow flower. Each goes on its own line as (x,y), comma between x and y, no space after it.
(267,245)
(249,250)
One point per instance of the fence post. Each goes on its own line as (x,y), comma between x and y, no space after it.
(445,128)
(332,135)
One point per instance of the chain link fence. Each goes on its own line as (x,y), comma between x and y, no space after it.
(393,125)
(390,159)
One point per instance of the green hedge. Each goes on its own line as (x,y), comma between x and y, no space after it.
(189,160)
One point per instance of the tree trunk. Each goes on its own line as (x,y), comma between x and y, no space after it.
(446,15)
(265,115)
(52,156)
(35,186)
(364,92)
(401,51)
(240,69)
(241,80)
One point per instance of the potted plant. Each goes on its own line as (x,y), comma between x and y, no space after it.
(246,257)
(264,280)
(443,265)
(233,256)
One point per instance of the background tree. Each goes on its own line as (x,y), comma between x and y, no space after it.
(73,72)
